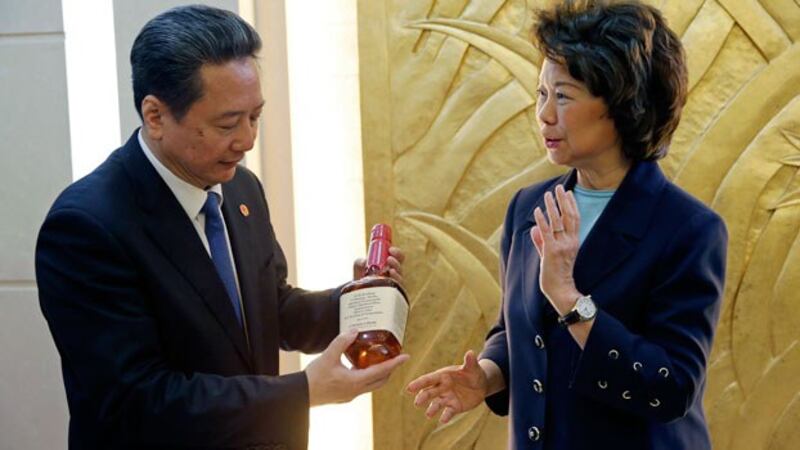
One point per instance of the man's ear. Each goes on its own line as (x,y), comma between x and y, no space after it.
(154,114)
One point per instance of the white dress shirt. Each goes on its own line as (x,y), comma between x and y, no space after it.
(192,199)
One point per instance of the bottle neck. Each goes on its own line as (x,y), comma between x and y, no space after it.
(377,255)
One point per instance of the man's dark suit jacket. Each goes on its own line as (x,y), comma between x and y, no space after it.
(654,263)
(152,354)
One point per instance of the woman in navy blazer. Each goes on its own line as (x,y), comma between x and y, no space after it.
(612,276)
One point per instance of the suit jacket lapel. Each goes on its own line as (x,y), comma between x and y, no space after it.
(240,230)
(620,227)
(614,236)
(535,304)
(167,224)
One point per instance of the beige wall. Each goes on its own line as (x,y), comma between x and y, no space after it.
(275,143)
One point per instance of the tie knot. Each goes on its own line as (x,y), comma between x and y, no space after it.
(212,204)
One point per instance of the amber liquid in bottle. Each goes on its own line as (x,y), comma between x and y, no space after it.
(373,346)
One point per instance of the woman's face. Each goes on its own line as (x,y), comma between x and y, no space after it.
(575,125)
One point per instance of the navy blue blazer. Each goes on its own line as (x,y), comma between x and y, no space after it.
(152,353)
(654,263)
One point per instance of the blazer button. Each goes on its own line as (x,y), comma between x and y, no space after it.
(534,434)
(664,372)
(655,403)
(539,341)
(602,384)
(636,366)
(537,386)
(613,354)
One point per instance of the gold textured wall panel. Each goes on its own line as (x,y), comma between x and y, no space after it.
(449,134)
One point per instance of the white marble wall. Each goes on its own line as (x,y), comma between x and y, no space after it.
(34,167)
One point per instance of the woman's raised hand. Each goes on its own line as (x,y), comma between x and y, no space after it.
(556,239)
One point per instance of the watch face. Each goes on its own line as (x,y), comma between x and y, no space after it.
(585,307)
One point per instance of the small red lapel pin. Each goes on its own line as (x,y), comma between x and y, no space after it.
(244,210)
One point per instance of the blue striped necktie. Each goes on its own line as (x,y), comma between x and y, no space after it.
(220,255)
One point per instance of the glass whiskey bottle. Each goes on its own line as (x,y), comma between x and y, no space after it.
(376,306)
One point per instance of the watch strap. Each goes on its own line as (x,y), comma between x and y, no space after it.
(569,318)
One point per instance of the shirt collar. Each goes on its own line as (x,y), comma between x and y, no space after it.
(190,197)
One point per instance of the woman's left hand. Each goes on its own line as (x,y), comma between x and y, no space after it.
(556,239)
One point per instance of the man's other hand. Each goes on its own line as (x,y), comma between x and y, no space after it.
(394,263)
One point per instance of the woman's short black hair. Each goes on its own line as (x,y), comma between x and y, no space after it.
(624,53)
(172,47)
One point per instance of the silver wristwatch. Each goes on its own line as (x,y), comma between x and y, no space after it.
(583,311)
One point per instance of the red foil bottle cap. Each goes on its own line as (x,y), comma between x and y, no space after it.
(380,241)
(381,231)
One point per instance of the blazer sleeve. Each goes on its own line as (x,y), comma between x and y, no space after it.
(659,373)
(309,320)
(496,346)
(108,339)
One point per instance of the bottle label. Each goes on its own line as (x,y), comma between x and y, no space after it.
(375,308)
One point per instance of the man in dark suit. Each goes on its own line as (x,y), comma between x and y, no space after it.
(160,276)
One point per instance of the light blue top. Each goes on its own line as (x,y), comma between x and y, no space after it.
(591,204)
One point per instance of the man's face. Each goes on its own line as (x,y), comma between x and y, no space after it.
(205,146)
